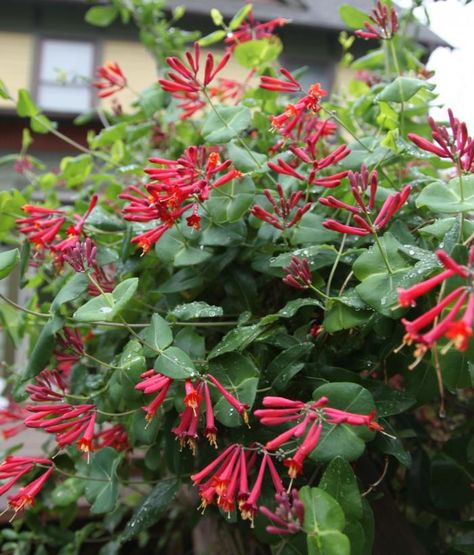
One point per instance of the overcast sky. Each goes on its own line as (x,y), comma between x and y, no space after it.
(454,22)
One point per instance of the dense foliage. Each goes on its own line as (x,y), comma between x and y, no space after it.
(259,290)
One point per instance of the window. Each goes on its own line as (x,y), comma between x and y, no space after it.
(65,68)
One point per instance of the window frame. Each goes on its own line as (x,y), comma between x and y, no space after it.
(36,82)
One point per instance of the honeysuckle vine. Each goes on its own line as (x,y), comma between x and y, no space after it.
(228,305)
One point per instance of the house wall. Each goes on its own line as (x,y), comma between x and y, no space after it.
(16,62)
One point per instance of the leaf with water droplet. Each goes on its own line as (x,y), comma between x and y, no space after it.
(152,509)
(105,307)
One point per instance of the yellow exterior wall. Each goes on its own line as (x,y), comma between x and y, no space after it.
(16,61)
(136,63)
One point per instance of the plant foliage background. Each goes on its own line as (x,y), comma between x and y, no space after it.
(275,248)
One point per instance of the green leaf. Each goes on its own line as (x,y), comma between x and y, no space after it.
(239,17)
(236,340)
(105,307)
(323,522)
(231,201)
(43,349)
(287,364)
(402,89)
(8,260)
(132,365)
(217,17)
(152,508)
(239,375)
(41,124)
(70,291)
(341,439)
(258,52)
(103,487)
(105,221)
(76,169)
(4,91)
(25,107)
(175,363)
(158,335)
(197,309)
(447,198)
(226,123)
(101,16)
(67,492)
(379,288)
(353,17)
(212,38)
(339,317)
(392,445)
(245,160)
(339,481)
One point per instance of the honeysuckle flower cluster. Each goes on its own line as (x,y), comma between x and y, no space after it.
(298,273)
(227,481)
(382,24)
(12,420)
(177,186)
(362,214)
(81,256)
(444,320)
(197,395)
(305,418)
(51,413)
(285,212)
(13,468)
(43,225)
(288,517)
(184,82)
(251,29)
(112,80)
(454,144)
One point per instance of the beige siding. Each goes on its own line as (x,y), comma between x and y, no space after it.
(136,64)
(16,61)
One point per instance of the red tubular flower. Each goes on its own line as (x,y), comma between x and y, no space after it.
(282,411)
(288,516)
(153,383)
(85,442)
(249,507)
(81,256)
(457,331)
(295,463)
(69,349)
(298,274)
(382,24)
(12,420)
(407,297)
(250,29)
(183,82)
(68,422)
(210,430)
(362,213)
(241,408)
(454,144)
(112,80)
(75,231)
(280,85)
(12,469)
(49,386)
(42,225)
(175,187)
(285,216)
(192,398)
(115,437)
(309,155)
